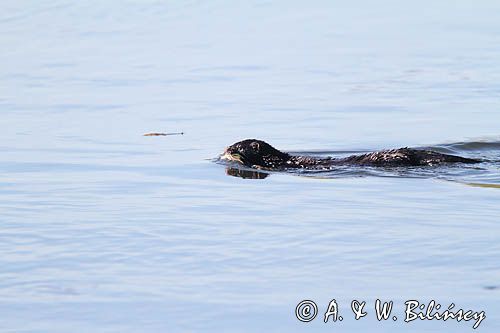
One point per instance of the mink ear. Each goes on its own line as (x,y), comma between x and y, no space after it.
(255,146)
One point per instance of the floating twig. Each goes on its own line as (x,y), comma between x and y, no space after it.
(163,134)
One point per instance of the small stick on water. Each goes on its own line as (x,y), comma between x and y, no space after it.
(163,134)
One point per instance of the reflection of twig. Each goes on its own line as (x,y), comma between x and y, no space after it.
(163,134)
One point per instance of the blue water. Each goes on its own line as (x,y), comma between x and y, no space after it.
(105,230)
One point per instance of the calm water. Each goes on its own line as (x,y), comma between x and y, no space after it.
(105,230)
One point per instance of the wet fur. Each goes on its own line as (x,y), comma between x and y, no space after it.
(260,154)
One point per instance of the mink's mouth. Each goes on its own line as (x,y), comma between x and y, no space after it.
(233,157)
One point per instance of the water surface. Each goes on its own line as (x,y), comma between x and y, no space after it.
(105,230)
